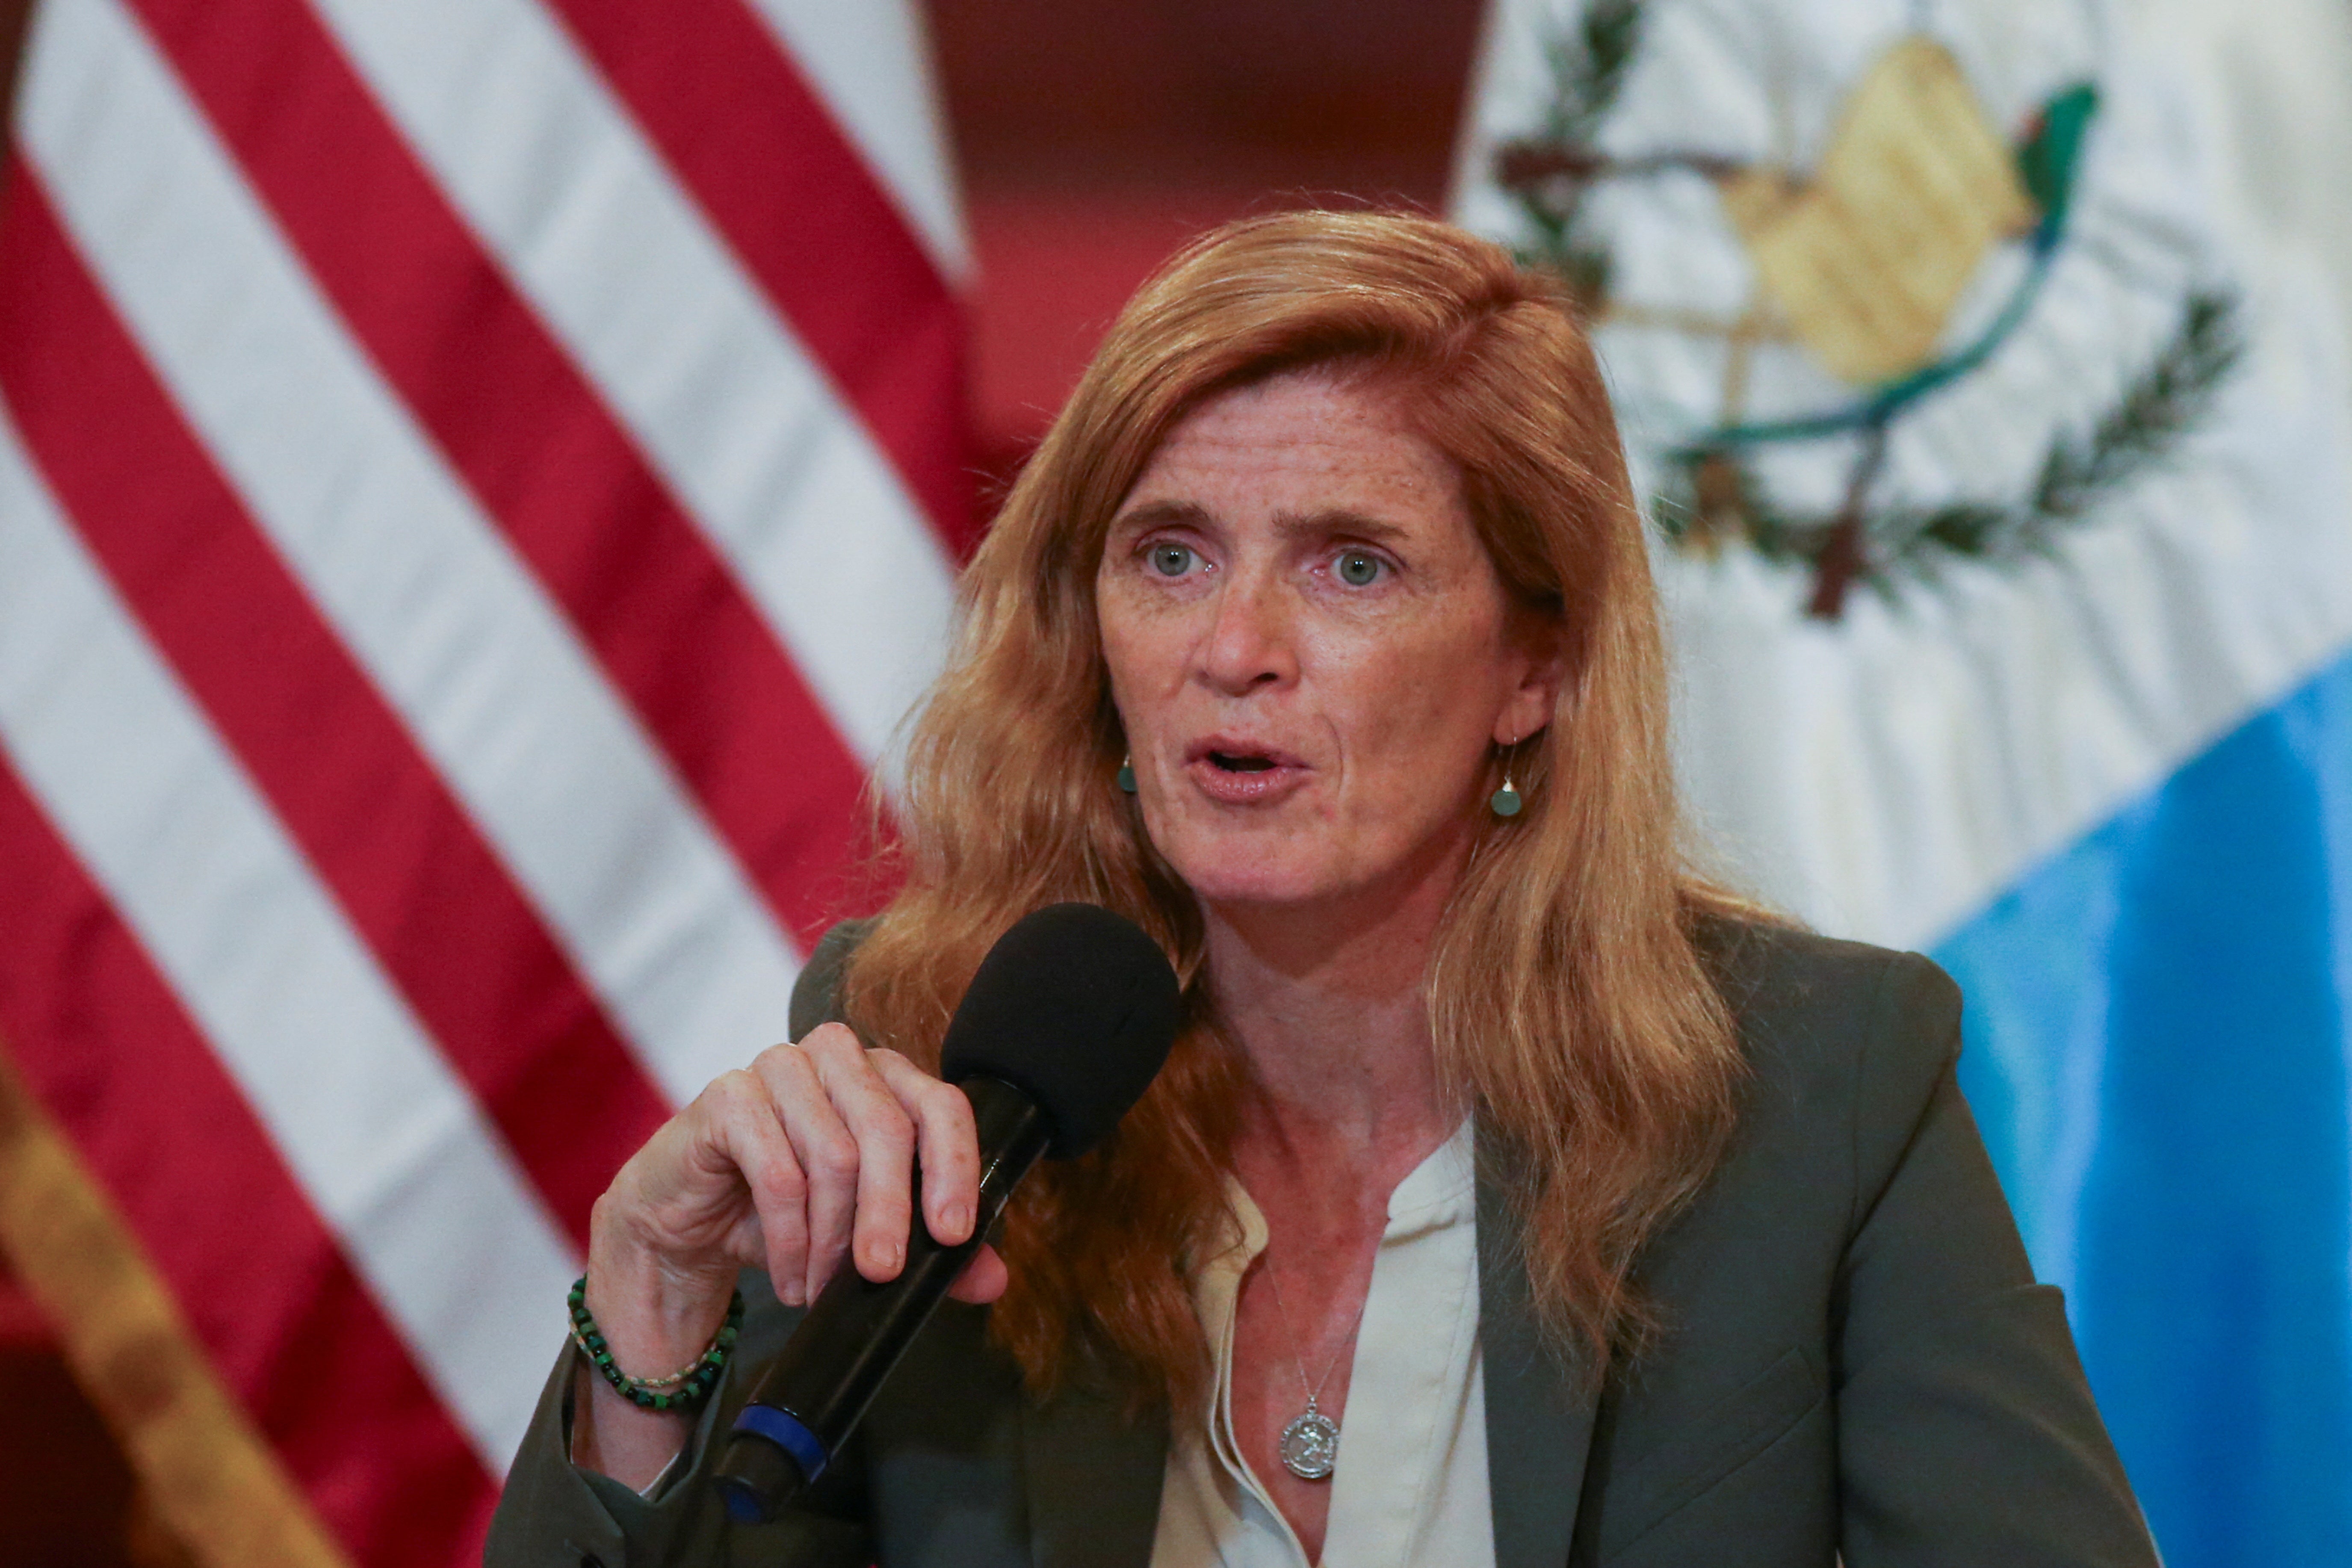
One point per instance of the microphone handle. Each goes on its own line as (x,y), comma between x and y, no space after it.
(812,1395)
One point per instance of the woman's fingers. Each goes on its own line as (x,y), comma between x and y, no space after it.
(946,1144)
(827,1155)
(885,1137)
(828,1135)
(745,1129)
(983,1280)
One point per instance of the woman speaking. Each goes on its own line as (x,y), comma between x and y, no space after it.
(1510,1196)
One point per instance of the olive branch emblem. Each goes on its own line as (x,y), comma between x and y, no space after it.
(1914,108)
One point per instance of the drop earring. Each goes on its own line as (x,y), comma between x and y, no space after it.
(1505,801)
(1127,773)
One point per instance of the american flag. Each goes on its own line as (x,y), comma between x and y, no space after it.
(479,486)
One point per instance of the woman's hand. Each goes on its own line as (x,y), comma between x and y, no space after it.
(791,1164)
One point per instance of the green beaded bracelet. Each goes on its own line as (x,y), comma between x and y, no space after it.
(682,1390)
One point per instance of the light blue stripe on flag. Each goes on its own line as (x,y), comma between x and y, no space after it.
(2158,1051)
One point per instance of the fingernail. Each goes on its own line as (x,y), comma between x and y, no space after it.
(955,1219)
(888,1254)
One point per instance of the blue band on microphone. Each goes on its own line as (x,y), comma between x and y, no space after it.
(782,1428)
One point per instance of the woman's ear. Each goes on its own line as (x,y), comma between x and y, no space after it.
(1541,648)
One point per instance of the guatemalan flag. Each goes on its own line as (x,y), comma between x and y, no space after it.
(1985,363)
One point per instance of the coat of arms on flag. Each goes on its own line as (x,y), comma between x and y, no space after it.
(1916,242)
(1999,447)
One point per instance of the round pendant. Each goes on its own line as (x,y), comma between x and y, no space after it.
(1310,1445)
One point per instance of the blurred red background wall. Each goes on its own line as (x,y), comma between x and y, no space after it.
(1094,139)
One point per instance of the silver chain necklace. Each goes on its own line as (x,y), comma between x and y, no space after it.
(1311,1443)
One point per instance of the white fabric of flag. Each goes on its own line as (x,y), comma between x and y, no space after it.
(2074,711)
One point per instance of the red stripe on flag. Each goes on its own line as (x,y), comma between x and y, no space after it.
(747,132)
(340,770)
(529,434)
(104,1043)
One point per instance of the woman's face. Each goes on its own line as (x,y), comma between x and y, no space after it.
(1310,649)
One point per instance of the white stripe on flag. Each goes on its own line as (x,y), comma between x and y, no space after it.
(523,135)
(451,628)
(871,64)
(388,1145)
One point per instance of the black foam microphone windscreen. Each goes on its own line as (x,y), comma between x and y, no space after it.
(1076,1007)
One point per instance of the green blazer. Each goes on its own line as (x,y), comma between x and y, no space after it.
(1855,1362)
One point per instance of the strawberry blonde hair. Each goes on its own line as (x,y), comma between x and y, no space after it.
(1569,1007)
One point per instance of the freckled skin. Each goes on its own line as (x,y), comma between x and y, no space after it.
(1389,691)
(1296,572)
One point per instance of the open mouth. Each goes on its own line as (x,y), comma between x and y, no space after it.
(1236,770)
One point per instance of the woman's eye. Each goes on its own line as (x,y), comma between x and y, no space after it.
(1171,559)
(1358,568)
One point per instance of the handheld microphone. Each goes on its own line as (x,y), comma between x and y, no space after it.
(1064,1028)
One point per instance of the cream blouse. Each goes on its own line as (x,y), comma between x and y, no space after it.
(1409,1487)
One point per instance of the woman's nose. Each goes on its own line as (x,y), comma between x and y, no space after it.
(1249,643)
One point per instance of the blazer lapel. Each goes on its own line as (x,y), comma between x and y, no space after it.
(1539,1408)
(1093,1483)
(1094,1479)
